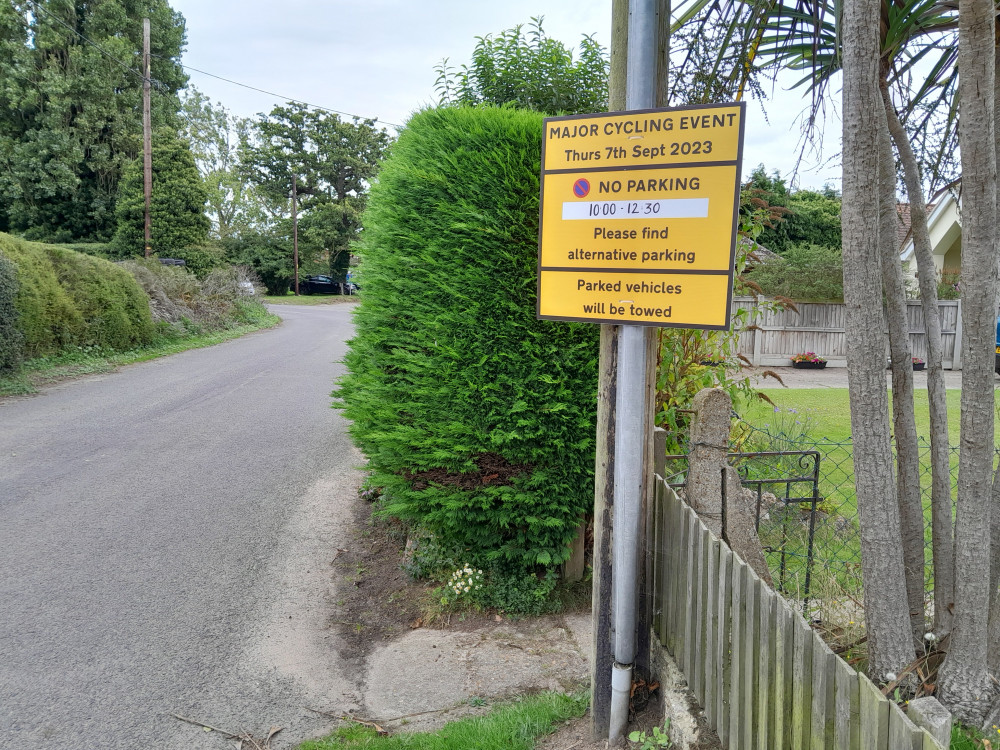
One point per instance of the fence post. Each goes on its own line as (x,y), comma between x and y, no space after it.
(758,334)
(956,361)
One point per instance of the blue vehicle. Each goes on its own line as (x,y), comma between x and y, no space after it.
(996,363)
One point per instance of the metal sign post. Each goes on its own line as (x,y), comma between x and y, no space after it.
(629,407)
(637,228)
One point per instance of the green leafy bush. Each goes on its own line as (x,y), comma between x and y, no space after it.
(804,272)
(949,283)
(114,309)
(478,419)
(68,299)
(98,249)
(269,257)
(11,338)
(199,259)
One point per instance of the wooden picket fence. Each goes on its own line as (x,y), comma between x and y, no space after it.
(764,678)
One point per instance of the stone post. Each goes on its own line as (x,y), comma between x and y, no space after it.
(713,486)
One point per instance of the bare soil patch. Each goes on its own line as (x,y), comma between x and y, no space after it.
(378,600)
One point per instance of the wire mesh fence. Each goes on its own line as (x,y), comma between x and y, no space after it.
(803,493)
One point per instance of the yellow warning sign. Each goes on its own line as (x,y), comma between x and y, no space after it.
(638,216)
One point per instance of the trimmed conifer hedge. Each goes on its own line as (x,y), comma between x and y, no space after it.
(11,338)
(70,299)
(478,419)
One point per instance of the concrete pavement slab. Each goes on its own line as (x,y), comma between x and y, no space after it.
(441,671)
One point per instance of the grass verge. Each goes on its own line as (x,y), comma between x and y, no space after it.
(509,726)
(81,361)
(309,299)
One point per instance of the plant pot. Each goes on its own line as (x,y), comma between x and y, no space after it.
(918,365)
(808,365)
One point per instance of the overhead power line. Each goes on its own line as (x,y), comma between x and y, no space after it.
(287,98)
(158,84)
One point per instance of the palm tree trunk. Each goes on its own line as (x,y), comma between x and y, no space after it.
(889,642)
(942,521)
(911,513)
(993,626)
(993,629)
(963,682)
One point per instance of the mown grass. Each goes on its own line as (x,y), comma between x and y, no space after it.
(309,299)
(508,726)
(830,411)
(819,419)
(80,361)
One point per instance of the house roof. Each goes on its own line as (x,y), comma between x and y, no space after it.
(903,228)
(949,201)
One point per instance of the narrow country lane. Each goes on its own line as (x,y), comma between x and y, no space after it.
(166,538)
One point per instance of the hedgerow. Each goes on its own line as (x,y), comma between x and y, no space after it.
(478,419)
(68,299)
(114,308)
(11,338)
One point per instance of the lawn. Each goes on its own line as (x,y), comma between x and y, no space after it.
(819,420)
(829,413)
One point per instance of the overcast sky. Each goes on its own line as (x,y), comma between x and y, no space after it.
(376,58)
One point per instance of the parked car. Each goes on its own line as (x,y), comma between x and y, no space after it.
(318,285)
(996,361)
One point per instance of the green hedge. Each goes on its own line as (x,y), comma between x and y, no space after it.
(804,272)
(11,338)
(478,419)
(69,299)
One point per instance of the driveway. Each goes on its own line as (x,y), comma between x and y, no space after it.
(836,377)
(166,538)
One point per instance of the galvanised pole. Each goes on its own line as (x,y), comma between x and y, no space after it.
(630,406)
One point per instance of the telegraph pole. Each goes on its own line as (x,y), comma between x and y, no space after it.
(147,138)
(295,231)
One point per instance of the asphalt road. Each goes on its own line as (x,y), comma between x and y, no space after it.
(166,539)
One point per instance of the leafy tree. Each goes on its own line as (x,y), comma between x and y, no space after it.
(177,206)
(531,71)
(71,119)
(796,217)
(911,32)
(332,162)
(270,256)
(813,218)
(234,206)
